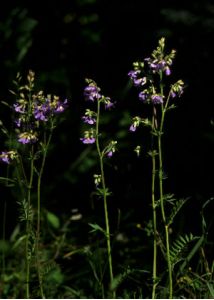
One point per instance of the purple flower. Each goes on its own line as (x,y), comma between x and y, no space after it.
(88,137)
(61,106)
(173,94)
(20,108)
(91,93)
(110,149)
(167,71)
(88,140)
(18,122)
(140,81)
(43,111)
(109,154)
(177,89)
(134,74)
(108,103)
(136,122)
(143,96)
(40,112)
(8,156)
(157,99)
(133,127)
(89,120)
(136,80)
(27,138)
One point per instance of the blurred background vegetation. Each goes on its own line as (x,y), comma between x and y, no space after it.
(65,42)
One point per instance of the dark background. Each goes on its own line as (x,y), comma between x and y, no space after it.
(65,42)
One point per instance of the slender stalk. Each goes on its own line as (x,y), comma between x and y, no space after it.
(28,225)
(154,273)
(3,235)
(160,155)
(108,240)
(45,149)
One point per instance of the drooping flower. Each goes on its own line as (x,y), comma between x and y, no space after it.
(61,106)
(8,156)
(177,89)
(27,137)
(135,123)
(20,107)
(88,137)
(157,99)
(110,149)
(137,81)
(89,117)
(144,95)
(108,103)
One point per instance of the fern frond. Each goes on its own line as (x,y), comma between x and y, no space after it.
(176,208)
(25,210)
(47,266)
(179,248)
(120,278)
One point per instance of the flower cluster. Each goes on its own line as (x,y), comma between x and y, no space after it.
(93,93)
(143,75)
(32,110)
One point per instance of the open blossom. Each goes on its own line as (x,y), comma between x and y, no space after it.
(88,137)
(134,76)
(8,156)
(89,117)
(157,99)
(144,95)
(91,92)
(27,138)
(89,120)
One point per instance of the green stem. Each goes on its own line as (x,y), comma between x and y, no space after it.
(3,235)
(108,240)
(28,226)
(154,273)
(45,149)
(160,155)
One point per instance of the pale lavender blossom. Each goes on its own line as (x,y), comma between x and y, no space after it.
(133,127)
(19,107)
(8,156)
(91,92)
(61,106)
(88,137)
(88,140)
(157,99)
(27,138)
(143,96)
(108,103)
(89,120)
(133,74)
(167,71)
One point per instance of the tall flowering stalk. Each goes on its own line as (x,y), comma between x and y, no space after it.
(91,136)
(148,77)
(35,119)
